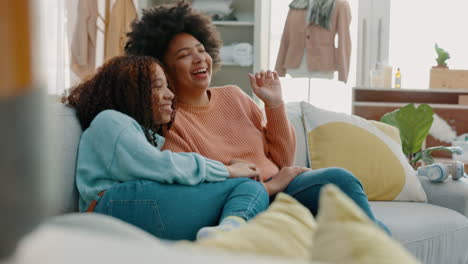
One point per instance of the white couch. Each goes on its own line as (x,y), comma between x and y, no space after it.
(435,232)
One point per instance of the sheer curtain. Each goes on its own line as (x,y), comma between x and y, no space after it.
(53,32)
(53,35)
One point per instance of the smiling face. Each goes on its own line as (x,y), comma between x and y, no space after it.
(189,65)
(162,98)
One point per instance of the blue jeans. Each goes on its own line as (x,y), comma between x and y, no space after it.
(306,189)
(174,211)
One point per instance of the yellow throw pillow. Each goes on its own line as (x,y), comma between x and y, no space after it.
(345,235)
(389,130)
(285,229)
(370,150)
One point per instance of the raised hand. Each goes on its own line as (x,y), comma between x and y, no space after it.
(240,168)
(267,86)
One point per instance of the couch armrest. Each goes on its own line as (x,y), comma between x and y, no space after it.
(450,194)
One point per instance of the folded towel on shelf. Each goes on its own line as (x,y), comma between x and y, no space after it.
(226,54)
(243,54)
(213,7)
(237,53)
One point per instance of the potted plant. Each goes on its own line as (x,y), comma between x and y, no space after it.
(443,77)
(442,57)
(414,125)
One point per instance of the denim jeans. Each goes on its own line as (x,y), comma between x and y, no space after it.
(175,212)
(306,189)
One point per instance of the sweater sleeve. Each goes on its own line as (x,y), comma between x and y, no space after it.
(279,135)
(133,157)
(84,39)
(344,40)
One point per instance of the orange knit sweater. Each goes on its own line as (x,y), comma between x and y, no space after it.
(232,126)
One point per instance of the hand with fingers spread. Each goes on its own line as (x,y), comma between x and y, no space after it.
(281,180)
(267,86)
(240,168)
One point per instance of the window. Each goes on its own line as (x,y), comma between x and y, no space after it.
(52,36)
(403,34)
(51,40)
(416,26)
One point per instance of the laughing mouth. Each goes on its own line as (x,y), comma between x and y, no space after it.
(165,107)
(202,70)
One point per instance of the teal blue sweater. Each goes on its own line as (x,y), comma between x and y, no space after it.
(114,149)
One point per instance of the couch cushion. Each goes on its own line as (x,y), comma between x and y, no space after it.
(437,194)
(351,142)
(346,235)
(285,229)
(294,112)
(65,147)
(433,234)
(82,239)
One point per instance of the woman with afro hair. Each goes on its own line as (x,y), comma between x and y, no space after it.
(124,110)
(223,123)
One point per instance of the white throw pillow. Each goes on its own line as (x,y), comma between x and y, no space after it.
(370,153)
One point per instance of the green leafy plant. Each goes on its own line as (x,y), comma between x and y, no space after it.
(414,125)
(442,56)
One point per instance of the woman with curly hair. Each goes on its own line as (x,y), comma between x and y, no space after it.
(223,123)
(124,110)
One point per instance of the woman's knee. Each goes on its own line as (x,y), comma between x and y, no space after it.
(343,178)
(255,188)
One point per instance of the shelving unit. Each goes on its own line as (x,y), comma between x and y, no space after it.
(251,26)
(233,23)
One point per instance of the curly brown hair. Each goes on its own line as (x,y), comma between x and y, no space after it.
(125,84)
(151,35)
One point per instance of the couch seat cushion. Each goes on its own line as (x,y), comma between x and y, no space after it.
(433,234)
(346,235)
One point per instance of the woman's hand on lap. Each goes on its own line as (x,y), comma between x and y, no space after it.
(281,180)
(240,168)
(267,86)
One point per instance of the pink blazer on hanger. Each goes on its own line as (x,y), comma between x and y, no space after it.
(322,55)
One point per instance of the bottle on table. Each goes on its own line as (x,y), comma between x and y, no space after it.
(398,79)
